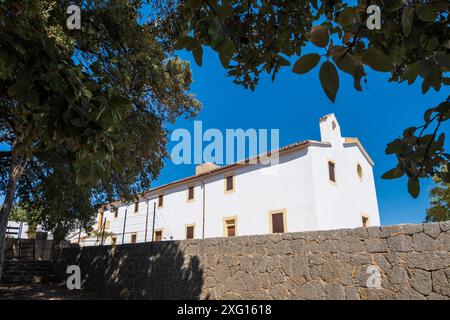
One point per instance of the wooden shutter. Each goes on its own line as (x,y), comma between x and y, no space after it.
(160,200)
(191,193)
(136,206)
(190,232)
(231,230)
(158,235)
(133,238)
(331,171)
(229,183)
(277,223)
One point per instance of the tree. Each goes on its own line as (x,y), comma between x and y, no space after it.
(254,37)
(439,209)
(83,112)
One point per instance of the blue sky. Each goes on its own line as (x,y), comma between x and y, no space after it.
(293,104)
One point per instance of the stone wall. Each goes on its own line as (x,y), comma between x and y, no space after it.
(413,260)
(42,249)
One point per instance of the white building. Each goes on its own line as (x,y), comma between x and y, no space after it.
(318,185)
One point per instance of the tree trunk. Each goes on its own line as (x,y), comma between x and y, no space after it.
(16,170)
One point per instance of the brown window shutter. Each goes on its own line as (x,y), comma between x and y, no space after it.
(190,232)
(231,231)
(133,238)
(160,200)
(331,171)
(191,193)
(229,183)
(158,235)
(277,223)
(136,206)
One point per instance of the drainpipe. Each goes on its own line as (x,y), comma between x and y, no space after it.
(203,208)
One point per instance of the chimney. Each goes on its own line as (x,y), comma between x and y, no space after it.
(205,167)
(330,131)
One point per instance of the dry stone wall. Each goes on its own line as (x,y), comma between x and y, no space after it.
(413,262)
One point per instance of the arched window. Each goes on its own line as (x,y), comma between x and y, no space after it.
(359,171)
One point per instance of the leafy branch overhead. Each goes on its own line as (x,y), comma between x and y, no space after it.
(76,104)
(255,37)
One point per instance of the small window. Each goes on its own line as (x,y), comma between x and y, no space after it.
(116,212)
(189,232)
(229,183)
(230,227)
(133,237)
(278,222)
(191,193)
(158,235)
(160,200)
(365,221)
(113,241)
(359,170)
(136,206)
(333,125)
(331,171)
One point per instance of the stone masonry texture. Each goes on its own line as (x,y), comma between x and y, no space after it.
(413,263)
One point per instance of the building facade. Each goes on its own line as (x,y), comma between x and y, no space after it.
(317,185)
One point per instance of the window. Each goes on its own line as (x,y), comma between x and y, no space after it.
(136,206)
(331,171)
(133,237)
(365,221)
(190,193)
(116,212)
(158,235)
(190,232)
(333,125)
(113,241)
(229,227)
(229,183)
(160,200)
(359,170)
(277,222)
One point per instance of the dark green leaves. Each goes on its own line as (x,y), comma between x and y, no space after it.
(393,173)
(347,16)
(329,79)
(319,36)
(306,63)
(377,60)
(425,13)
(393,5)
(414,187)
(198,55)
(407,19)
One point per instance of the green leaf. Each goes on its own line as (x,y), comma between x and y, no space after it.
(306,63)
(182,42)
(377,60)
(442,59)
(345,61)
(198,55)
(193,4)
(407,19)
(425,13)
(319,36)
(393,174)
(226,52)
(346,16)
(413,187)
(329,79)
(393,5)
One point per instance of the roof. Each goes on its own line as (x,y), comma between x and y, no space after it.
(251,160)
